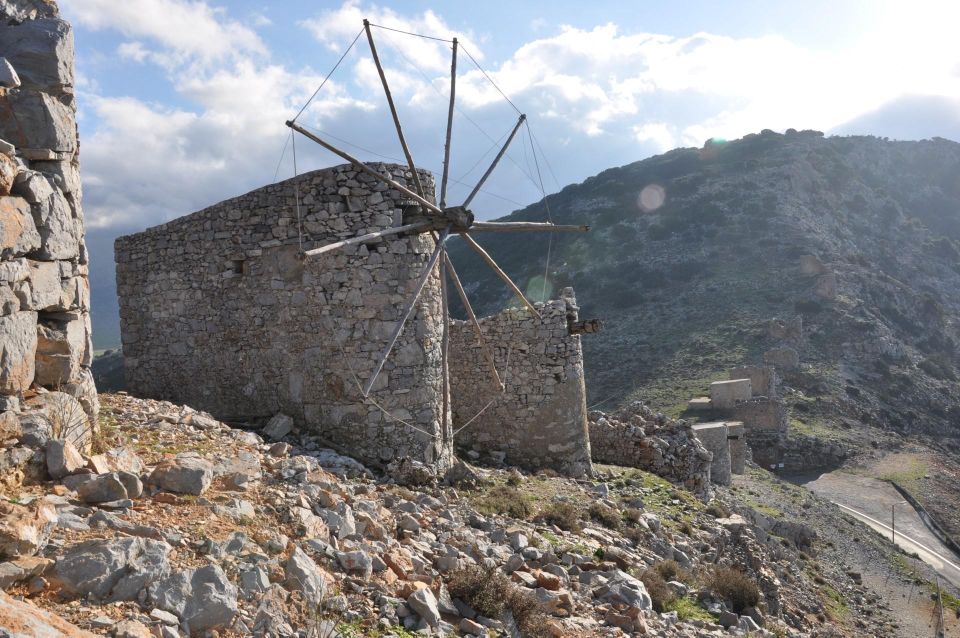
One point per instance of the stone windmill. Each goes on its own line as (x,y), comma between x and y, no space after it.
(439,220)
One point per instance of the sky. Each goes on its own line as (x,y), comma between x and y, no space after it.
(182,103)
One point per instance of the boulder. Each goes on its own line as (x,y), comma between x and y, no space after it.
(63,458)
(8,173)
(130,628)
(278,427)
(111,569)
(42,52)
(25,529)
(303,575)
(624,589)
(9,79)
(424,603)
(21,569)
(19,619)
(37,120)
(203,598)
(57,415)
(104,488)
(18,348)
(63,346)
(18,230)
(10,428)
(186,474)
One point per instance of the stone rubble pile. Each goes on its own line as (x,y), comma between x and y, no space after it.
(191,528)
(636,436)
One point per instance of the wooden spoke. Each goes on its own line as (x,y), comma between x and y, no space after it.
(446,145)
(487,354)
(408,310)
(519,227)
(369,237)
(504,276)
(496,160)
(366,169)
(393,109)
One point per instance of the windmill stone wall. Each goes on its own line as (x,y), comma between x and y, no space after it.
(219,311)
(44,290)
(540,420)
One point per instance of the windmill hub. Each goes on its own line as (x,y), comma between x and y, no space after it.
(458,217)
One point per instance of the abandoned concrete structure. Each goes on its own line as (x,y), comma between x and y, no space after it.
(540,419)
(44,292)
(219,311)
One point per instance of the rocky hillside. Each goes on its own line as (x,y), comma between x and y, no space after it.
(178,525)
(703,259)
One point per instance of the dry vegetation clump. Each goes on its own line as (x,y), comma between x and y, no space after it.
(735,587)
(718,510)
(606,516)
(657,587)
(504,499)
(563,515)
(490,592)
(671,570)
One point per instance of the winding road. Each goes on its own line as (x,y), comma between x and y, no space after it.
(870,500)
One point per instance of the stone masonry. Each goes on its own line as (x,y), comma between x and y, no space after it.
(219,310)
(540,420)
(715,437)
(44,292)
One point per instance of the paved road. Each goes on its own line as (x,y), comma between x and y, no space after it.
(869,500)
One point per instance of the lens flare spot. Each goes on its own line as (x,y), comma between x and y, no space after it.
(539,289)
(651,198)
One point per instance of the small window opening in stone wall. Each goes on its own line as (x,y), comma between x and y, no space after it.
(238,266)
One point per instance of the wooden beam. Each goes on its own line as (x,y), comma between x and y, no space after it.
(446,146)
(366,169)
(369,237)
(519,227)
(393,109)
(496,160)
(444,342)
(407,311)
(487,354)
(504,276)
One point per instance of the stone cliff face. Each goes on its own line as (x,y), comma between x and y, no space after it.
(44,291)
(845,249)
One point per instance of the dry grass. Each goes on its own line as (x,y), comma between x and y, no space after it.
(503,499)
(563,515)
(606,516)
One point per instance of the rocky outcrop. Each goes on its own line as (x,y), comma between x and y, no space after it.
(44,290)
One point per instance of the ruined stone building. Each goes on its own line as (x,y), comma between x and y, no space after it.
(44,292)
(219,310)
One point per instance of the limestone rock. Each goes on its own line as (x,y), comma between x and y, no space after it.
(8,169)
(10,427)
(33,186)
(425,604)
(60,231)
(303,575)
(183,475)
(63,458)
(63,347)
(102,489)
(42,52)
(111,569)
(45,288)
(22,568)
(278,427)
(20,619)
(18,230)
(203,599)
(25,529)
(37,120)
(57,415)
(8,75)
(130,628)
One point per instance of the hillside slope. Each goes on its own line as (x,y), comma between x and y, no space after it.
(689,287)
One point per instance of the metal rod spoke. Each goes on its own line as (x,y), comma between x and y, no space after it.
(446,146)
(408,310)
(393,109)
(366,169)
(487,354)
(496,160)
(500,273)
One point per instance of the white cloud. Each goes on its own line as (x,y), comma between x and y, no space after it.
(183,29)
